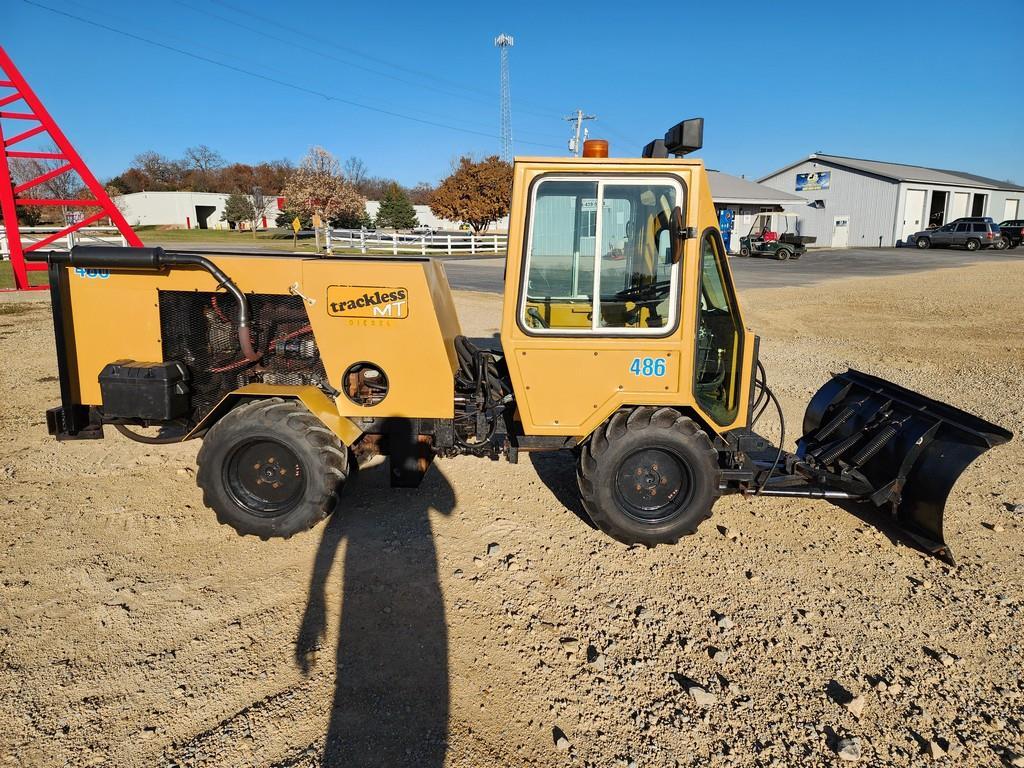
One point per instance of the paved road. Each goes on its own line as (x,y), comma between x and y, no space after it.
(488,274)
(819,265)
(816,266)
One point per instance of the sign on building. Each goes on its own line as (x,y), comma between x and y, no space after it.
(808,182)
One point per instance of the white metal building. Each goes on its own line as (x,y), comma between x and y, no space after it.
(861,203)
(184,210)
(426,218)
(202,210)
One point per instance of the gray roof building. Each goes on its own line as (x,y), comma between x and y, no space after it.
(850,201)
(729,189)
(903,172)
(745,199)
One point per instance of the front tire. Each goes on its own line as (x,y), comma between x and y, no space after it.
(744,251)
(972,244)
(649,476)
(271,469)
(924,242)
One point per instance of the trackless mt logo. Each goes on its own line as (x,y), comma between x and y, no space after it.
(367,301)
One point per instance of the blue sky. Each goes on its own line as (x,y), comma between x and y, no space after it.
(896,81)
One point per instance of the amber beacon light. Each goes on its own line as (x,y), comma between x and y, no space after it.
(595,148)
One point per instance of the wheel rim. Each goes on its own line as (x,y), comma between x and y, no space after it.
(971,245)
(922,243)
(265,477)
(653,484)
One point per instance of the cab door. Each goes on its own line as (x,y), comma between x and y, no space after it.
(598,317)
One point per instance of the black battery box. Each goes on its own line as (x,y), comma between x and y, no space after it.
(152,391)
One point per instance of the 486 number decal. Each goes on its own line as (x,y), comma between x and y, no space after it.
(648,366)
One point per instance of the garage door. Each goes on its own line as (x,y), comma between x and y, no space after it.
(913,213)
(1010,209)
(959,206)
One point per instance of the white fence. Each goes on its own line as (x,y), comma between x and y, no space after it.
(84,236)
(425,245)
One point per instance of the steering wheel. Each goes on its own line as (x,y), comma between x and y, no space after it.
(652,293)
(646,296)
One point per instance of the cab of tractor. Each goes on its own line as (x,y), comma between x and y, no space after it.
(774,234)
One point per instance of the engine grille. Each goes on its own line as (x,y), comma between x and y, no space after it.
(198,329)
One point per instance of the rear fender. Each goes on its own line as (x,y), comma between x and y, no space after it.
(319,404)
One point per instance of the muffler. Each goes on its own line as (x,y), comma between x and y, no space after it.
(901,450)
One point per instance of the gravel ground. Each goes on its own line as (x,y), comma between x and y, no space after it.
(480,621)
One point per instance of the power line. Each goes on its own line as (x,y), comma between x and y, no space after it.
(276,22)
(619,134)
(267,78)
(453,92)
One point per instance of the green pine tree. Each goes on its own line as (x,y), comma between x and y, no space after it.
(238,208)
(396,212)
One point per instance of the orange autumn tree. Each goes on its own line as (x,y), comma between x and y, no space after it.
(478,193)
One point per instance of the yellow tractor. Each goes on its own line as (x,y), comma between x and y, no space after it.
(622,340)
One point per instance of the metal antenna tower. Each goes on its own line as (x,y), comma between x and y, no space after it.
(503,42)
(574,140)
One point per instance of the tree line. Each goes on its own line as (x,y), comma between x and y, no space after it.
(477,192)
(202,169)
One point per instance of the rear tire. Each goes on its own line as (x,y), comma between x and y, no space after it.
(648,476)
(973,244)
(782,254)
(924,242)
(269,468)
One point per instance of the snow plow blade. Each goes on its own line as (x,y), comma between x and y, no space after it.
(897,448)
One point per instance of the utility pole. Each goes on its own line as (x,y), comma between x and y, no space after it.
(574,142)
(503,42)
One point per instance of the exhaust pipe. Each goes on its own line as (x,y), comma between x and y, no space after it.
(906,449)
(116,257)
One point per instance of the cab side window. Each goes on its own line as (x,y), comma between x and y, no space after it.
(717,365)
(599,257)
(560,279)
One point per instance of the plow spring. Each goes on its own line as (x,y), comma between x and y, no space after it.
(867,439)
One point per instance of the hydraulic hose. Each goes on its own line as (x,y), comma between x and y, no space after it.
(782,441)
(114,257)
(146,438)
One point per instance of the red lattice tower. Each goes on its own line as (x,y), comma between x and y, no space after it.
(38,123)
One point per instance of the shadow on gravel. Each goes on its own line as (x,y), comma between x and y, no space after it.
(882,521)
(840,695)
(866,512)
(391,688)
(557,470)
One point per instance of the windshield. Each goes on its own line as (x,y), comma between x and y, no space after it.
(609,240)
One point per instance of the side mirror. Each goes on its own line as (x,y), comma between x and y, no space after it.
(679,234)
